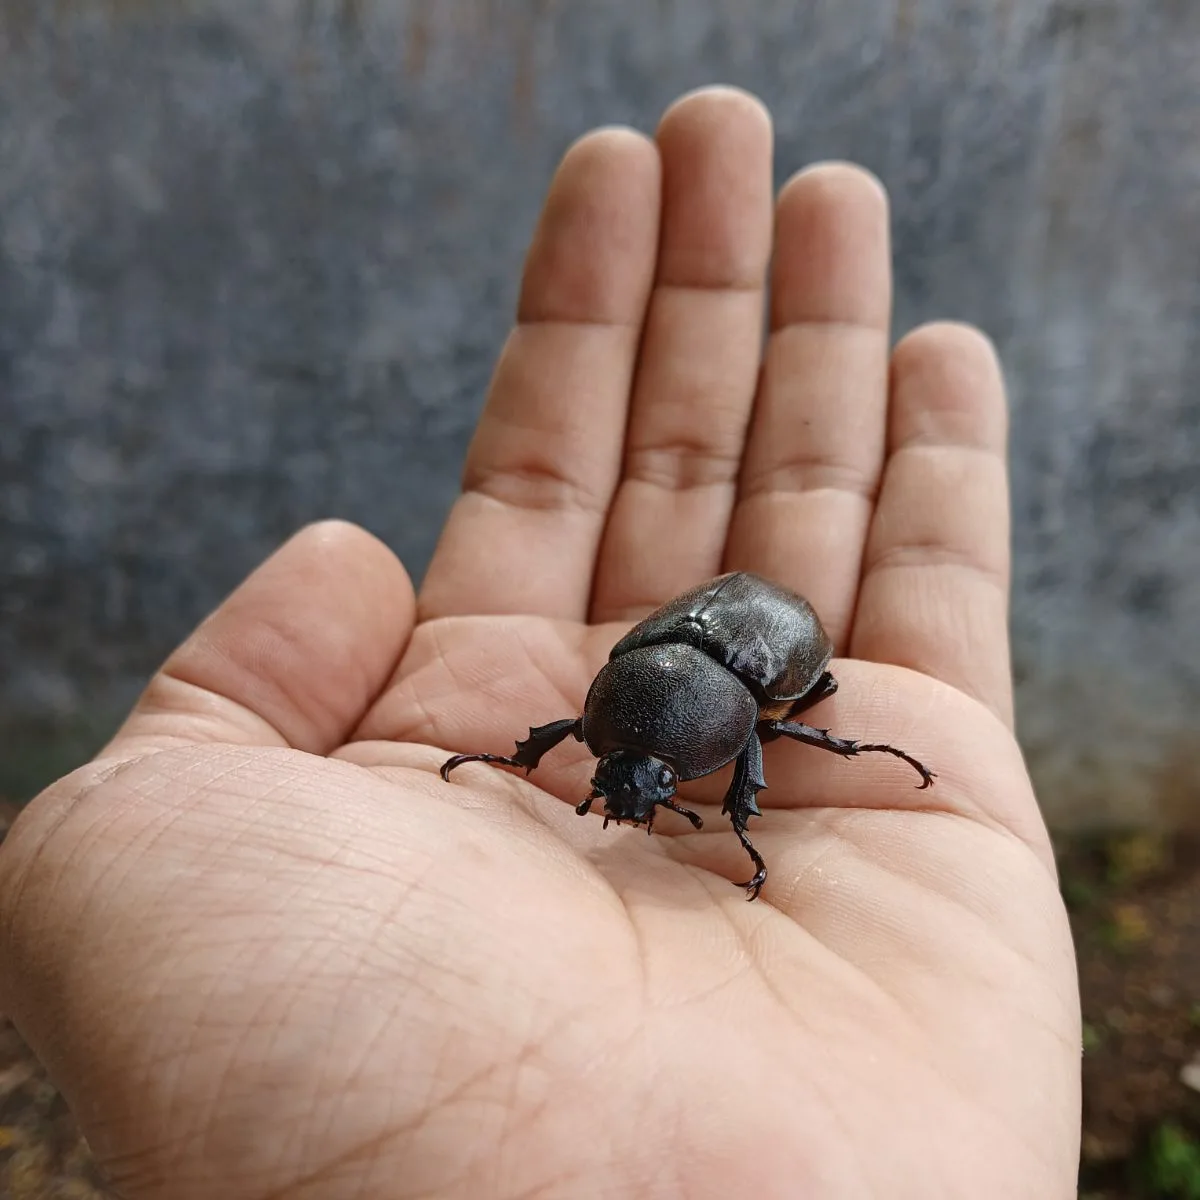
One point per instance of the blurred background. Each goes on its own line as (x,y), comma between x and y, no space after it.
(256,261)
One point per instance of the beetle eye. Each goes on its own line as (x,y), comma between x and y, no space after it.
(666,777)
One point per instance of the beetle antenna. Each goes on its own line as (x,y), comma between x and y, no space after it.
(586,803)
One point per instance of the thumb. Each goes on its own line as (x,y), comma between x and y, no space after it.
(294,657)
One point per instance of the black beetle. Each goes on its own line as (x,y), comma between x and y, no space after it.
(702,681)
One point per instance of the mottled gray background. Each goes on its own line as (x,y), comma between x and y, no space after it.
(256,260)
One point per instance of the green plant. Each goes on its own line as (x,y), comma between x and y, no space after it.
(1078,894)
(1173,1164)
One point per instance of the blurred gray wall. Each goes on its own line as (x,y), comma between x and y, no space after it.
(256,260)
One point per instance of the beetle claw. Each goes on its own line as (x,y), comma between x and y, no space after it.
(753,887)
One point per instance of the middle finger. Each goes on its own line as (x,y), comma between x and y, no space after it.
(701,349)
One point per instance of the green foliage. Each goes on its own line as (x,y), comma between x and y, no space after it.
(1172,1164)
(1078,894)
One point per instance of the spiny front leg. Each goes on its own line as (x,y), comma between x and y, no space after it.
(540,741)
(846,747)
(741,804)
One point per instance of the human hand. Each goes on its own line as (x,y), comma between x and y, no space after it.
(266,951)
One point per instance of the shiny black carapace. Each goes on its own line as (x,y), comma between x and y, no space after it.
(703,681)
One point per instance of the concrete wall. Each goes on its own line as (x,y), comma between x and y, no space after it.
(256,260)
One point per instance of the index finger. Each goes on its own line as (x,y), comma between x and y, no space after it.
(546,456)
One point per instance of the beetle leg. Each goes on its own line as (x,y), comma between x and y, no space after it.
(541,739)
(683,812)
(741,804)
(846,747)
(747,782)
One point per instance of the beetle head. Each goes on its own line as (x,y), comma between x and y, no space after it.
(633,785)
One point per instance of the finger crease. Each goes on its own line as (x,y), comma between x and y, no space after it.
(633,325)
(700,287)
(682,467)
(916,443)
(812,475)
(159,702)
(923,555)
(534,487)
(829,323)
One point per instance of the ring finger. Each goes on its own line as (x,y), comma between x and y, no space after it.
(815,450)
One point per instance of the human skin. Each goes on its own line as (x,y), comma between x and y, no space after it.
(265,951)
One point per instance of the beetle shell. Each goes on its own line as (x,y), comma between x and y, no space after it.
(768,636)
(672,702)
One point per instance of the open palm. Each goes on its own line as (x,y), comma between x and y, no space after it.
(267,951)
